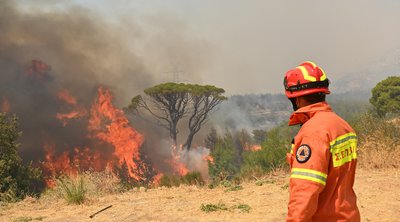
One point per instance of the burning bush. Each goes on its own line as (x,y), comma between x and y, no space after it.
(16,179)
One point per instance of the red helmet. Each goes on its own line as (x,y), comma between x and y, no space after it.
(305,79)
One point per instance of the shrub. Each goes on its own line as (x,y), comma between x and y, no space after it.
(16,179)
(224,156)
(378,141)
(272,154)
(73,188)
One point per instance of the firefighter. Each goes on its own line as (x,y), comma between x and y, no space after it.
(324,152)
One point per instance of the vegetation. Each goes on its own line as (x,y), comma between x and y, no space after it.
(221,206)
(191,178)
(16,179)
(73,188)
(171,102)
(224,155)
(386,96)
(213,207)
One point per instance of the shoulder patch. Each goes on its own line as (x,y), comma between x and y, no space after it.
(303,153)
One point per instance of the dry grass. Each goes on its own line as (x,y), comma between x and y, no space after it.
(95,184)
(380,148)
(375,154)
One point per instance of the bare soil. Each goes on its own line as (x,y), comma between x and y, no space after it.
(378,199)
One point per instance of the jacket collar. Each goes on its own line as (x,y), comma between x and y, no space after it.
(305,113)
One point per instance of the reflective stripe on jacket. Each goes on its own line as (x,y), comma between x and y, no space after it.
(323,162)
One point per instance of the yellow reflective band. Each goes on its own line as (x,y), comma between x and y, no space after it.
(344,149)
(342,138)
(307,174)
(306,75)
(323,77)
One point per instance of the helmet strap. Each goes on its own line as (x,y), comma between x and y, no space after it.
(293,100)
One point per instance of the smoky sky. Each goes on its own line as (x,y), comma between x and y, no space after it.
(247,46)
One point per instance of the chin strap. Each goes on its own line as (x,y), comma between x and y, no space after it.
(293,100)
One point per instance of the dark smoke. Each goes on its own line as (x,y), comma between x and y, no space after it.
(44,53)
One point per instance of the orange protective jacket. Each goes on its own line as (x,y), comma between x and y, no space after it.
(323,164)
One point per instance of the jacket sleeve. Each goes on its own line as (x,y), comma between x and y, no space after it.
(309,169)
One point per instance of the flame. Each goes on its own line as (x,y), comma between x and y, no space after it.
(5,105)
(65,96)
(209,159)
(106,124)
(38,68)
(77,111)
(117,132)
(175,162)
(253,147)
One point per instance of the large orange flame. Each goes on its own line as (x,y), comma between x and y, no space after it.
(110,125)
(107,124)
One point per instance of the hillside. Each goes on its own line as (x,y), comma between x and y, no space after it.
(378,200)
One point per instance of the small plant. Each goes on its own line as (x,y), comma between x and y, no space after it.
(235,188)
(213,207)
(266,181)
(242,208)
(226,183)
(285,186)
(73,189)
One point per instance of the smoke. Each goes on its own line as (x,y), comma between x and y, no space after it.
(74,51)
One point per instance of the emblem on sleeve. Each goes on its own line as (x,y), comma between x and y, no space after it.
(303,153)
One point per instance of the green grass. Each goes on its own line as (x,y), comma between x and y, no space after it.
(73,189)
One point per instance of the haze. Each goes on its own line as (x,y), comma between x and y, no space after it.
(244,46)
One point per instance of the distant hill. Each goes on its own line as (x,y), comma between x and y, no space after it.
(366,79)
(265,111)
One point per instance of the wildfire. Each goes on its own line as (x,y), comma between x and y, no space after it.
(176,164)
(65,96)
(107,124)
(253,148)
(118,132)
(77,111)
(209,159)
(38,68)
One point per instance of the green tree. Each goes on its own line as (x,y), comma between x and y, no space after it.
(386,96)
(16,179)
(171,102)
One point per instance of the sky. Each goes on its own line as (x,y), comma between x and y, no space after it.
(244,46)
